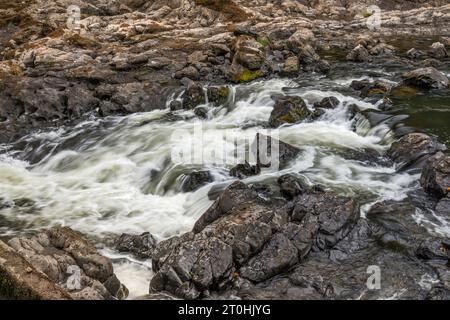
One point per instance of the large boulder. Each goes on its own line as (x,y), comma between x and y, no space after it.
(274,153)
(426,78)
(435,177)
(68,261)
(288,109)
(413,148)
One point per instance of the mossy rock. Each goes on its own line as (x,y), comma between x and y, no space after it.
(246,75)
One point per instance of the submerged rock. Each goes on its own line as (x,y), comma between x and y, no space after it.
(426,78)
(70,262)
(288,109)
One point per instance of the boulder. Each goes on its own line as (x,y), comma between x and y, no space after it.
(290,186)
(327,103)
(71,263)
(273,153)
(437,50)
(291,67)
(244,170)
(288,109)
(140,246)
(413,147)
(435,178)
(194,180)
(358,54)
(426,78)
(193,96)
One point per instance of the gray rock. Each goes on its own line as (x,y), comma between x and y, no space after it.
(435,177)
(244,170)
(193,96)
(358,54)
(195,180)
(288,109)
(426,78)
(141,246)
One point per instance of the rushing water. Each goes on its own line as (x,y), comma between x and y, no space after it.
(108,176)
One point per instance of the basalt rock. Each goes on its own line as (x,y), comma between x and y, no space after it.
(288,109)
(68,261)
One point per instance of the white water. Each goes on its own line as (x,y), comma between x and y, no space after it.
(102,184)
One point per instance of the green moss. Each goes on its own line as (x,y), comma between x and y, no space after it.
(366,14)
(248,75)
(404,92)
(264,42)
(224,92)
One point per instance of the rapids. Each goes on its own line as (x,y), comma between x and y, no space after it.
(104,177)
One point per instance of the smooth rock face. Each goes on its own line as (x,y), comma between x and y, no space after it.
(413,147)
(288,109)
(435,177)
(72,263)
(426,78)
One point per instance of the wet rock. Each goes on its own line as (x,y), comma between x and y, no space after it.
(327,103)
(139,245)
(278,255)
(70,262)
(413,147)
(193,96)
(195,180)
(175,105)
(290,186)
(291,67)
(244,170)
(201,112)
(369,89)
(434,249)
(435,177)
(443,206)
(273,153)
(414,53)
(288,109)
(218,95)
(426,78)
(358,54)
(438,51)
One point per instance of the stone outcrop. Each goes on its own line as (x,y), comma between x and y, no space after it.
(57,264)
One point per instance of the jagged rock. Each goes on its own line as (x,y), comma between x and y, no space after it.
(195,180)
(288,109)
(244,170)
(412,148)
(443,206)
(243,236)
(426,78)
(290,186)
(59,253)
(139,245)
(435,177)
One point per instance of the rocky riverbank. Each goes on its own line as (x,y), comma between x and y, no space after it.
(290,240)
